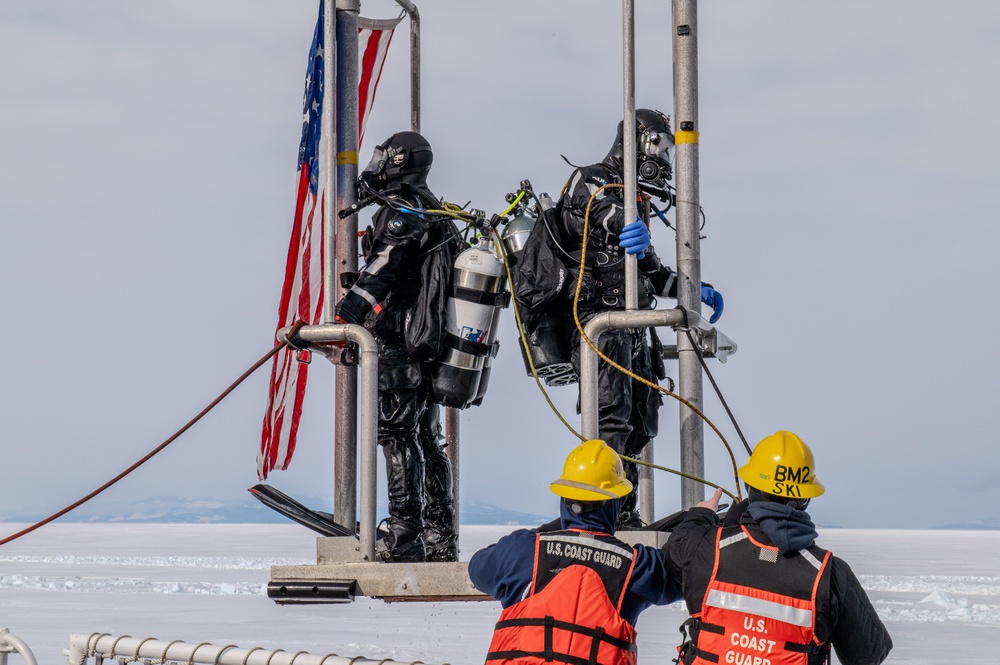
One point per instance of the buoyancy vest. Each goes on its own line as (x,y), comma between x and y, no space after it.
(759,607)
(572,609)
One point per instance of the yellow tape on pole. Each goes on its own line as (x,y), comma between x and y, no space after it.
(344,158)
(685,137)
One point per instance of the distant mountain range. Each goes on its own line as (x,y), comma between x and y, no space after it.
(165,509)
(971,526)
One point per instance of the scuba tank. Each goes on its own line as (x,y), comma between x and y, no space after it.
(515,234)
(494,344)
(549,342)
(460,375)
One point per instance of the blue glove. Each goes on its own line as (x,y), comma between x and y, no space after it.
(713,299)
(634,238)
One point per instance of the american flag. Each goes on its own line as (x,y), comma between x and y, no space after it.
(302,292)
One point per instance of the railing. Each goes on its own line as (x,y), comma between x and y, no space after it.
(10,643)
(126,649)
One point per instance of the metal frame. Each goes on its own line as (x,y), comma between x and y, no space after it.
(690,388)
(368,416)
(411,11)
(687,216)
(346,565)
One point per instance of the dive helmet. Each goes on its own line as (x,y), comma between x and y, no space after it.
(405,157)
(654,147)
(782,467)
(593,472)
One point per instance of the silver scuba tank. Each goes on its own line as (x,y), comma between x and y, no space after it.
(515,235)
(472,313)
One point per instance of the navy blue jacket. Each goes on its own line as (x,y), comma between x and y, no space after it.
(503,570)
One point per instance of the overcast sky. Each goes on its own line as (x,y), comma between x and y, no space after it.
(848,174)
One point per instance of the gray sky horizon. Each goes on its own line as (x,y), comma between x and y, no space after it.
(848,164)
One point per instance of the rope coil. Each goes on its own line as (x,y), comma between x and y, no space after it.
(135,655)
(195,650)
(163,656)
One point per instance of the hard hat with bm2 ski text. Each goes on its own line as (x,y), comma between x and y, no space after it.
(782,465)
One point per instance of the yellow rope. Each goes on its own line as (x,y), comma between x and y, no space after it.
(524,338)
(679,473)
(452,210)
(609,361)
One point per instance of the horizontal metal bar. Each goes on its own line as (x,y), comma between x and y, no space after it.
(300,593)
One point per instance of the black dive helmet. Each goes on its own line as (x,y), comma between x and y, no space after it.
(654,146)
(404,158)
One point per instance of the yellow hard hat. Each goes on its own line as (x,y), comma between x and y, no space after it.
(593,472)
(782,465)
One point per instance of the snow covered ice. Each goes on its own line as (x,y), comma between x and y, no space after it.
(938,592)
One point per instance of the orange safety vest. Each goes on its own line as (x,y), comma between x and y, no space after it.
(759,607)
(571,612)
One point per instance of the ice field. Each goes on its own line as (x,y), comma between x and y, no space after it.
(938,591)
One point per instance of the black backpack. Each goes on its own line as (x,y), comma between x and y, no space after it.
(541,278)
(425,318)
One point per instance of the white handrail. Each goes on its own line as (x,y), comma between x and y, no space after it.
(9,642)
(106,646)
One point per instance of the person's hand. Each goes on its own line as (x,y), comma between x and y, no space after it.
(712,503)
(713,299)
(634,238)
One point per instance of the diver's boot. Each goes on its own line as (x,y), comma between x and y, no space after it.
(404,479)
(404,543)
(440,546)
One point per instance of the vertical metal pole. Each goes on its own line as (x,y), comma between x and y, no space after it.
(368,352)
(628,145)
(685,47)
(647,495)
(331,294)
(414,15)
(452,432)
(647,492)
(345,50)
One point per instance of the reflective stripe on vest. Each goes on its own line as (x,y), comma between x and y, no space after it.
(571,613)
(759,607)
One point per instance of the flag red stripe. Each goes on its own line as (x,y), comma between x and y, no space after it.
(378,77)
(318,313)
(286,317)
(367,64)
(293,250)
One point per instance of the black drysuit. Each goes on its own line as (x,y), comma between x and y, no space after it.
(628,409)
(418,470)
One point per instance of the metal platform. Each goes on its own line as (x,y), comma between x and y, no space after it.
(340,575)
(434,582)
